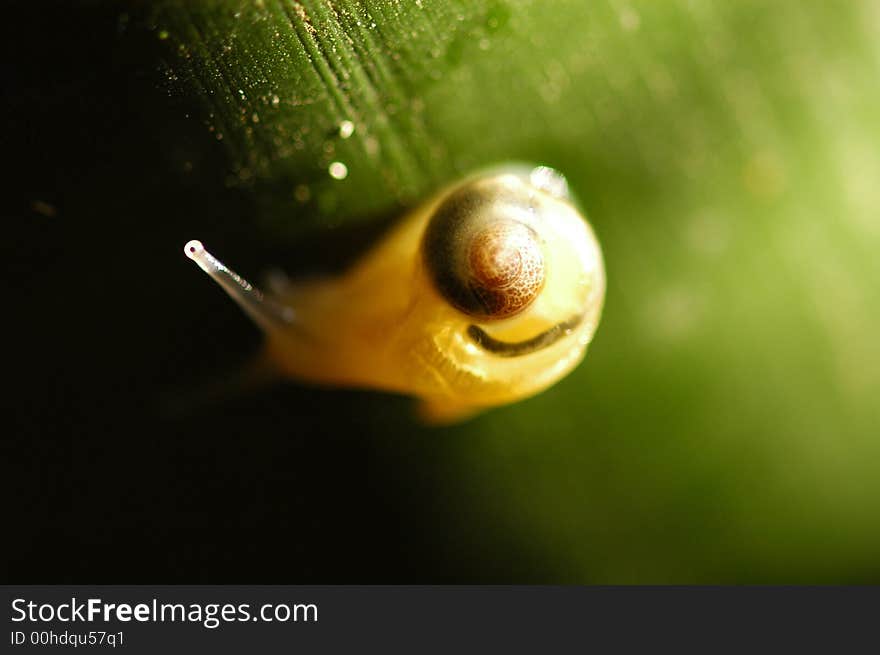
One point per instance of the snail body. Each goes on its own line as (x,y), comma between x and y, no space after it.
(488,293)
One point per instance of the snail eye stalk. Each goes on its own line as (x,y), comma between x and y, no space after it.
(266,312)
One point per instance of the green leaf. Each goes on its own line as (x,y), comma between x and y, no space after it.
(724,426)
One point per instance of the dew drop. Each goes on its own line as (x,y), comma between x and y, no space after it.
(346,129)
(338,170)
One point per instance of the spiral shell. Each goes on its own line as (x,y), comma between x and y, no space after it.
(481,255)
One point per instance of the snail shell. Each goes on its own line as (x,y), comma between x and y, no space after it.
(483,254)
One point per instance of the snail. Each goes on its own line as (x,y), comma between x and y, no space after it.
(488,293)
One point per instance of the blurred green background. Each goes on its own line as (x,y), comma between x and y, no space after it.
(724,426)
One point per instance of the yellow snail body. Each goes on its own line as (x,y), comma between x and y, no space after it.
(488,293)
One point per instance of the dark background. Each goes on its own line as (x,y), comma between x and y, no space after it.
(109,321)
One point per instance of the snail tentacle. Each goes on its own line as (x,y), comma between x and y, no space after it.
(265,311)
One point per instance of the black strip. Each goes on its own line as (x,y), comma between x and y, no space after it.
(517,348)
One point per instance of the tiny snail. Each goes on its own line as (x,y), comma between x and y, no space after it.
(486,294)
